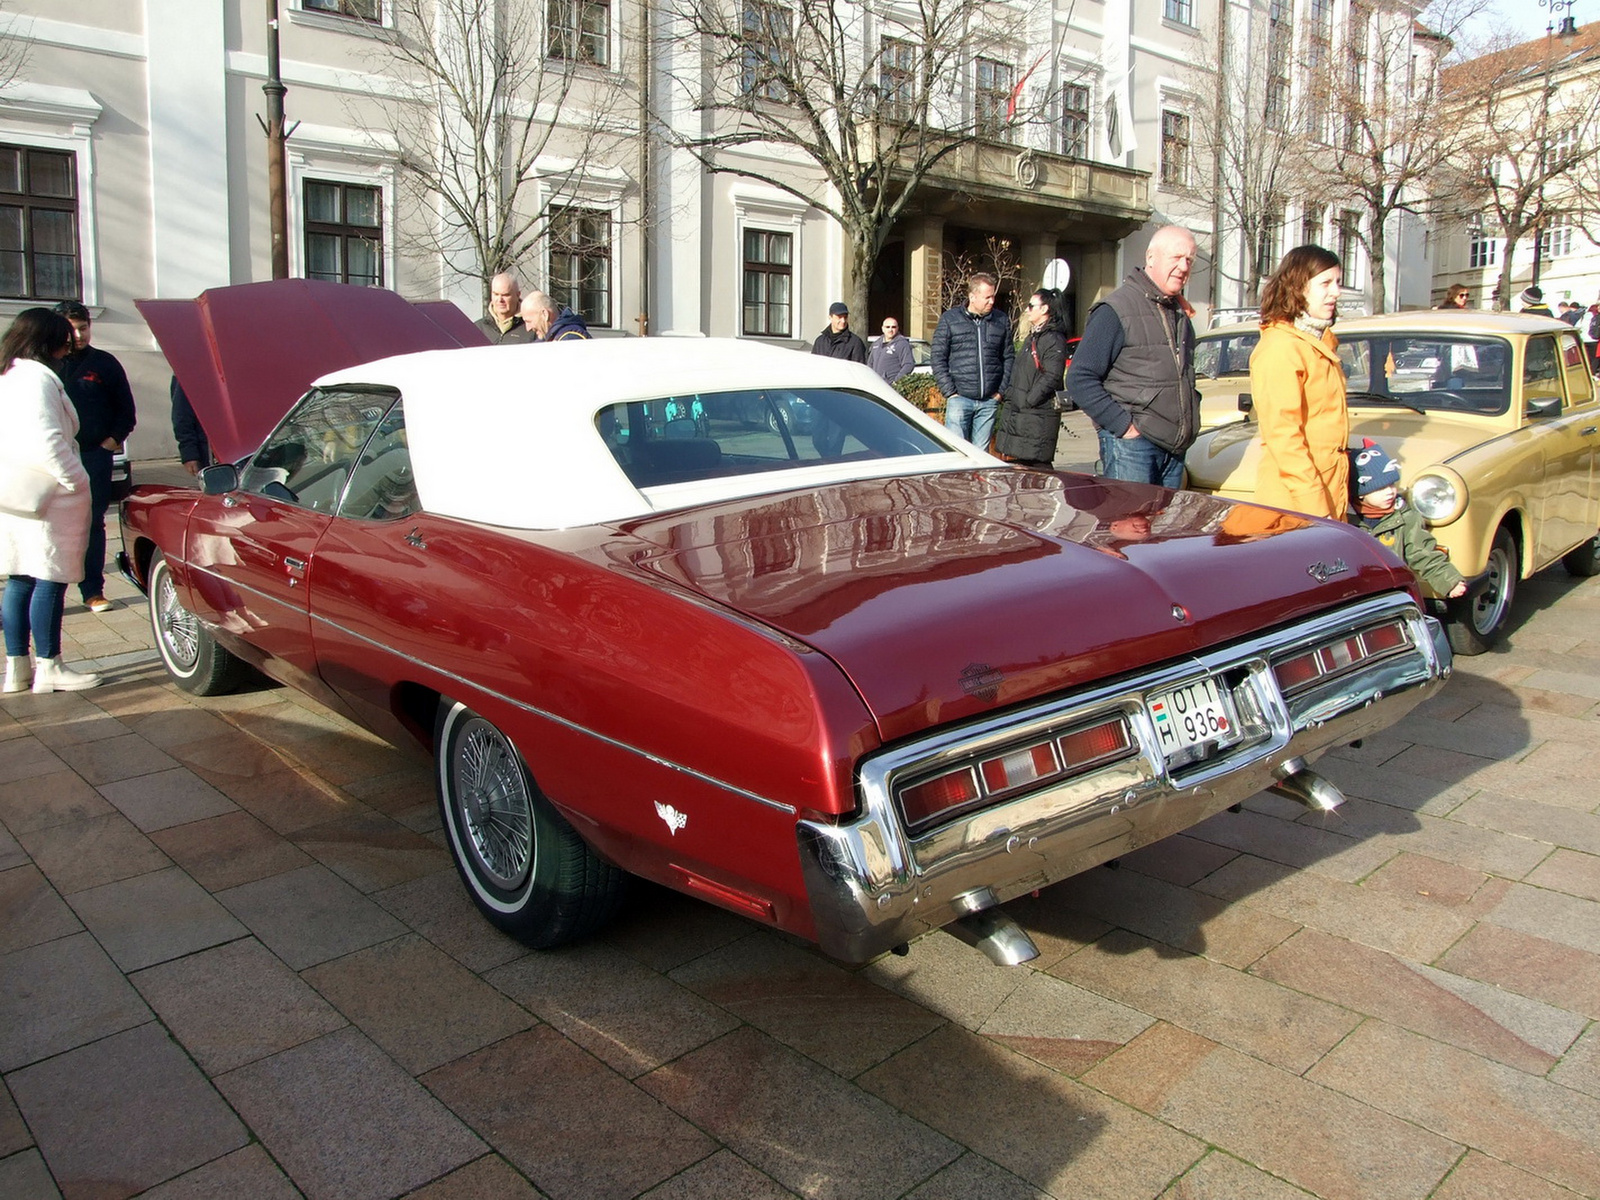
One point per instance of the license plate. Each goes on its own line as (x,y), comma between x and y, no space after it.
(1192,715)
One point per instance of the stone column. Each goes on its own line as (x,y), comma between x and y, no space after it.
(924,265)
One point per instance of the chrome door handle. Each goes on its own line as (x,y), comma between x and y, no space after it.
(296,568)
(1590,430)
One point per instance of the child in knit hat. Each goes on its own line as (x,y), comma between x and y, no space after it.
(1383,512)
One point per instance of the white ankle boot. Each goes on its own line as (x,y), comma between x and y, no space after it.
(50,676)
(19,673)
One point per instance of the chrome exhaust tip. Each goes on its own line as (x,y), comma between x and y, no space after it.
(1000,938)
(1304,786)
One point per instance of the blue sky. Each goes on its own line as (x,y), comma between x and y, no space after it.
(1526,19)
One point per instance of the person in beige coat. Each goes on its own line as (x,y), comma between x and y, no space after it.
(1297,386)
(40,554)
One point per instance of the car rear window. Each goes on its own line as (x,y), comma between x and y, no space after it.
(682,439)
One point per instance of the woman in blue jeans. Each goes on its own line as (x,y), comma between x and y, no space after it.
(40,553)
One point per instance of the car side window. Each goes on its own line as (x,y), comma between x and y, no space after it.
(1575,364)
(308,457)
(381,485)
(1541,377)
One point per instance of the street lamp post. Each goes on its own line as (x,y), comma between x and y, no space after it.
(1566,32)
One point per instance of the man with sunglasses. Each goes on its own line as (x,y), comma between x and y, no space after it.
(890,355)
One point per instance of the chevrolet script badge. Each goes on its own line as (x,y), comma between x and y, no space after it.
(1322,572)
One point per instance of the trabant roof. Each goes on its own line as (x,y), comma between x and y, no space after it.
(1445,320)
(506,434)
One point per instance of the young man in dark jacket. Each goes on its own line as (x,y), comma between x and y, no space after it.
(972,355)
(98,388)
(837,340)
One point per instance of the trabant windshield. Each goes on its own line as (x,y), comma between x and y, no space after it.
(683,439)
(1428,372)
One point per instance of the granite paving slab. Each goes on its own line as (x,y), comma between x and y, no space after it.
(234,1004)
(564,1119)
(153,917)
(1275,1119)
(60,995)
(1036,1123)
(345,1122)
(124,1114)
(418,1004)
(628,1016)
(309,916)
(163,799)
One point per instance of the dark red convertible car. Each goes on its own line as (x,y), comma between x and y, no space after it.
(741,621)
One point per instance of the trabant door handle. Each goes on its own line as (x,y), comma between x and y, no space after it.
(1590,430)
(296,568)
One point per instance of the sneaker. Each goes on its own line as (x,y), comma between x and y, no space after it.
(99,604)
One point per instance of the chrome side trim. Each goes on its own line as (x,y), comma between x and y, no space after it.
(534,710)
(873,885)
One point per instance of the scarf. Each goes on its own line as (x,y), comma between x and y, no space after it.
(1311,328)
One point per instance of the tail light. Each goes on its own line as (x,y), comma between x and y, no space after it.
(1052,758)
(1339,655)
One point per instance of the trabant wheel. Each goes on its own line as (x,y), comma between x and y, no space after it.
(1583,561)
(1478,618)
(191,655)
(526,869)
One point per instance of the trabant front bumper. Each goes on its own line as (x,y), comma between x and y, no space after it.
(873,885)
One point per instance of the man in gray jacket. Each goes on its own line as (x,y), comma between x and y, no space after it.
(1133,373)
(971,361)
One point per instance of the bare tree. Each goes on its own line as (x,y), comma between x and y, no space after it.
(1251,141)
(481,97)
(1532,157)
(874,96)
(1377,118)
(13,50)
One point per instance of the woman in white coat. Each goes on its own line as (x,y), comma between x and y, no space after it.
(40,555)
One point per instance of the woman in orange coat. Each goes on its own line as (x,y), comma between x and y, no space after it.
(1297,386)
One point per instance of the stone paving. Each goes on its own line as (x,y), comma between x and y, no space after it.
(235,961)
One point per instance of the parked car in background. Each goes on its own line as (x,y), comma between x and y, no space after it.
(854,684)
(1222,372)
(1495,423)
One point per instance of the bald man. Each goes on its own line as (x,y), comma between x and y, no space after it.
(1137,381)
(548,321)
(503,324)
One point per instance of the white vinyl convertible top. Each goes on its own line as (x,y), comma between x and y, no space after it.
(506,435)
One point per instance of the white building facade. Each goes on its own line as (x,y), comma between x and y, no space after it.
(139,169)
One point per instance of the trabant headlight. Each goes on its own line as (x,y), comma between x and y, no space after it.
(1439,495)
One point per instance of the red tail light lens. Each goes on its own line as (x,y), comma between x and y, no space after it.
(1085,747)
(924,801)
(1340,655)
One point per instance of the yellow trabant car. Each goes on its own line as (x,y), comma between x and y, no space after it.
(1222,372)
(1496,426)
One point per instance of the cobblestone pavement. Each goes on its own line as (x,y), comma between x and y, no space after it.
(235,961)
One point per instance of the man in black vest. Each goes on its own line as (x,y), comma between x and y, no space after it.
(1133,373)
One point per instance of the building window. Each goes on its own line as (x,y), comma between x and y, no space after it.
(344,233)
(580,262)
(766,50)
(768,283)
(580,31)
(1482,251)
(1277,113)
(1075,121)
(1561,150)
(38,224)
(1181,11)
(1174,149)
(1360,26)
(361,10)
(897,79)
(1349,243)
(1311,222)
(1556,242)
(1267,243)
(991,94)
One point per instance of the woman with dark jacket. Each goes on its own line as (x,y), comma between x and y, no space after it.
(1029,423)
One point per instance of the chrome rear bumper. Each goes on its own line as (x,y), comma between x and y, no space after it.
(873,885)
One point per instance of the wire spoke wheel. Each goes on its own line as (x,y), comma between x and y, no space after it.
(492,796)
(176,626)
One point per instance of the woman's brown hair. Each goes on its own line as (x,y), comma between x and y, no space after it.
(36,333)
(1284,297)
